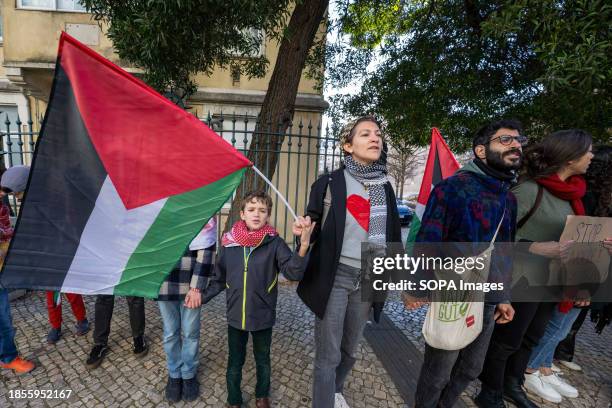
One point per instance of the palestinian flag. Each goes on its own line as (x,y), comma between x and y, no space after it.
(121,182)
(441,163)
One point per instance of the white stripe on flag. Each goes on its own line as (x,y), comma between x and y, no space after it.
(111,235)
(419,210)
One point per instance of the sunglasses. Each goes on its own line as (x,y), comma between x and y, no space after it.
(507,140)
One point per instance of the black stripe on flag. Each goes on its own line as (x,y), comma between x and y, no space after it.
(66,178)
(437,169)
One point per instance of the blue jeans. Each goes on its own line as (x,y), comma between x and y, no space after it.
(8,350)
(181,338)
(557,328)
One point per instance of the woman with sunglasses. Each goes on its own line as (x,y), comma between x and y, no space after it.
(551,188)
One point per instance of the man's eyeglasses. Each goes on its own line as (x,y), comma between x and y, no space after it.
(507,140)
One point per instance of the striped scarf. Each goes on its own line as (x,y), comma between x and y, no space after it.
(373,178)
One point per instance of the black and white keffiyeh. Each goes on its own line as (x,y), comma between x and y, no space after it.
(373,178)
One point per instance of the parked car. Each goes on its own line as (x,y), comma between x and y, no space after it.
(405,212)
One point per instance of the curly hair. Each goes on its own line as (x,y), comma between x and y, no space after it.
(554,151)
(599,181)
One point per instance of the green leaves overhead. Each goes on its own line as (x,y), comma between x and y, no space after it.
(172,40)
(458,64)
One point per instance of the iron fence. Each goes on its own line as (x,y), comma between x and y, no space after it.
(306,152)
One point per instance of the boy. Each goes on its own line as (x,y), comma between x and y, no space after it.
(251,257)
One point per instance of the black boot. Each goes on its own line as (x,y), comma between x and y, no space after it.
(174,389)
(489,398)
(514,393)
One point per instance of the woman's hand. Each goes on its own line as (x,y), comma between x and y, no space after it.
(607,243)
(551,249)
(193,299)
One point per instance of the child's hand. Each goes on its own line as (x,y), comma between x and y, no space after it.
(193,299)
(307,229)
(298,225)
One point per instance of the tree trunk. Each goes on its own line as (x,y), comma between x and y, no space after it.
(279,103)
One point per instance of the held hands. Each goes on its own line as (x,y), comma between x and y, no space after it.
(504,313)
(193,299)
(303,228)
(411,303)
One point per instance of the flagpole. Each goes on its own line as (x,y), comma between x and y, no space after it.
(282,198)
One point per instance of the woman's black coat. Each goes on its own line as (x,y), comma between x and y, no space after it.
(326,240)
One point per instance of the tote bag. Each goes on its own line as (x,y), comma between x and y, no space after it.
(452,324)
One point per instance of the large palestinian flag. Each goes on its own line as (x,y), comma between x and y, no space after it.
(121,182)
(441,163)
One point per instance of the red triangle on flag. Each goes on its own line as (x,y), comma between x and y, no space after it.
(150,147)
(441,163)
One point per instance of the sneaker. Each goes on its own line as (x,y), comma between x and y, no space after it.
(19,365)
(340,402)
(82,327)
(560,385)
(571,365)
(191,389)
(96,356)
(54,335)
(534,384)
(555,369)
(141,347)
(174,389)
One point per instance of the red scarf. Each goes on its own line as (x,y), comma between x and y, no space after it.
(572,190)
(241,235)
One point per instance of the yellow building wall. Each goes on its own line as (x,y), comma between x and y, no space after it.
(32,36)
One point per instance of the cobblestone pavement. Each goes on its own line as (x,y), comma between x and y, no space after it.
(125,381)
(593,354)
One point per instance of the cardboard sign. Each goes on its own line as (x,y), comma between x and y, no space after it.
(588,262)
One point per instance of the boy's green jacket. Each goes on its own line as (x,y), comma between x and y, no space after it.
(250,275)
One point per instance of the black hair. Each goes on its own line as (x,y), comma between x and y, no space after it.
(483,135)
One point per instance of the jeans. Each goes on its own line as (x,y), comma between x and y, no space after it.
(337,336)
(104,313)
(8,350)
(237,340)
(558,326)
(446,374)
(565,349)
(181,338)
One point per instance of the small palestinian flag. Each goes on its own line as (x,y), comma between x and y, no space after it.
(57,298)
(121,182)
(441,163)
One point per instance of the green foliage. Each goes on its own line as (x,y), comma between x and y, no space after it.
(458,64)
(173,40)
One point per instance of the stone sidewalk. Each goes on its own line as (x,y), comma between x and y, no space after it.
(593,354)
(125,381)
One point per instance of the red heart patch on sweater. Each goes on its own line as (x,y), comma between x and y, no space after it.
(359,208)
